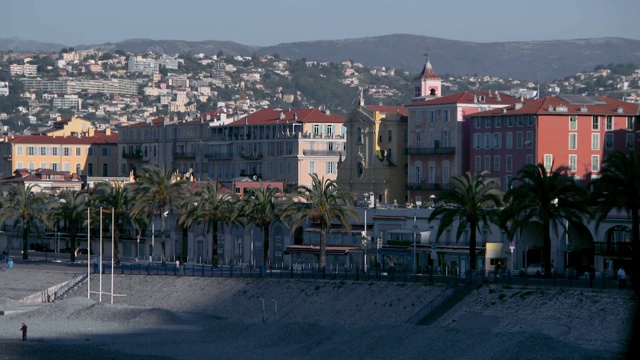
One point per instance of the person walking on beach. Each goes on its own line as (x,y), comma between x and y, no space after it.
(24,331)
(622,278)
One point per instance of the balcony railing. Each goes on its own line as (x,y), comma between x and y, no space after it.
(307,152)
(251,156)
(428,186)
(184,155)
(613,249)
(132,155)
(430,151)
(219,155)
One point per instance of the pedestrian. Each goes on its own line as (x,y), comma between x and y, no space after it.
(622,278)
(24,331)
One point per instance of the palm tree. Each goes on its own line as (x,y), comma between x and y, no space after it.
(71,209)
(262,208)
(115,197)
(156,191)
(211,206)
(618,187)
(25,208)
(321,202)
(472,200)
(549,197)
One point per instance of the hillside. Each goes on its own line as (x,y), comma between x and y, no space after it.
(527,60)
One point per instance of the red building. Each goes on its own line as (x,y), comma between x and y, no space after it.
(565,130)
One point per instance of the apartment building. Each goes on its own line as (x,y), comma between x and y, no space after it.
(564,130)
(80,154)
(270,144)
(73,86)
(435,145)
(146,66)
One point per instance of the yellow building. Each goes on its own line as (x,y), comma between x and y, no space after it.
(70,127)
(374,167)
(80,154)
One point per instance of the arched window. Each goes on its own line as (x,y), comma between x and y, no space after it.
(78,168)
(432,92)
(359,135)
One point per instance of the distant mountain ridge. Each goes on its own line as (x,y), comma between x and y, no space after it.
(524,60)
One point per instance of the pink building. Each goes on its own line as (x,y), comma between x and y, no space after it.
(565,130)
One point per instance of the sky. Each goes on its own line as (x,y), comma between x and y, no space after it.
(271,22)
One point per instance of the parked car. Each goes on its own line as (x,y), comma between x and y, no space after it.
(535,270)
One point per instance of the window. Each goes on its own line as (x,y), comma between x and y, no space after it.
(507,182)
(573,162)
(445,115)
(519,140)
(477,164)
(487,123)
(573,122)
(630,123)
(529,159)
(31,150)
(54,151)
(389,135)
(358,135)
(432,116)
(509,121)
(573,141)
(487,141)
(67,166)
(79,168)
(509,165)
(106,152)
(43,165)
(609,122)
(595,141)
(32,166)
(445,139)
(316,129)
(312,167)
(476,122)
(43,150)
(497,140)
(529,141)
(630,144)
(608,141)
(487,162)
(66,151)
(548,161)
(418,139)
(498,122)
(520,121)
(509,140)
(78,151)
(19,166)
(331,167)
(90,151)
(446,173)
(496,163)
(105,169)
(595,123)
(595,163)
(476,141)
(530,120)
(54,166)
(89,169)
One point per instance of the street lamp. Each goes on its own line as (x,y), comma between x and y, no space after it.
(512,246)
(138,253)
(414,245)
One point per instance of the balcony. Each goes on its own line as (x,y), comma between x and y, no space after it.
(307,152)
(184,155)
(135,155)
(428,186)
(251,156)
(219,156)
(430,151)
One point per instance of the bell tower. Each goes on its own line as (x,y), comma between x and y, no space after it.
(427,84)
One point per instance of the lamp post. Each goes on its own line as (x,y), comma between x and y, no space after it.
(138,253)
(414,245)
(364,241)
(512,246)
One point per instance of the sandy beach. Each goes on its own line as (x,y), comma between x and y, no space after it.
(169,317)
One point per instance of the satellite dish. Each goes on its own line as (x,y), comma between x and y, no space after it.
(255,177)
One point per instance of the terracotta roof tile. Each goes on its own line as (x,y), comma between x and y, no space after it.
(389,109)
(273,117)
(467,97)
(67,140)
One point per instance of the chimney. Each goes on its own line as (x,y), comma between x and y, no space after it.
(326,111)
(295,116)
(107,131)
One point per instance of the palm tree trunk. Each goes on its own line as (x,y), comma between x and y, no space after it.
(323,248)
(25,243)
(266,245)
(214,243)
(162,243)
(546,245)
(472,246)
(185,243)
(72,256)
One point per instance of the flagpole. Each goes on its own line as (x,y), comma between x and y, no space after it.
(100,255)
(113,247)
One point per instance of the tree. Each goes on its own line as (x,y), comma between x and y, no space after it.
(156,191)
(618,187)
(261,207)
(548,197)
(212,206)
(472,200)
(25,208)
(115,197)
(321,202)
(71,210)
